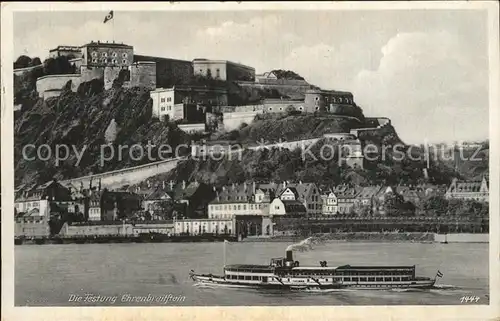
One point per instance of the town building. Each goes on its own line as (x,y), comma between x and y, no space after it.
(477,190)
(223,70)
(365,199)
(346,198)
(330,203)
(36,200)
(239,199)
(287,207)
(214,226)
(66,51)
(106,205)
(307,193)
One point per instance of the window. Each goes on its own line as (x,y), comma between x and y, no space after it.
(124,55)
(169,99)
(103,60)
(114,54)
(104,54)
(248,277)
(163,109)
(241,277)
(94,60)
(217,73)
(124,61)
(162,100)
(114,61)
(94,54)
(346,279)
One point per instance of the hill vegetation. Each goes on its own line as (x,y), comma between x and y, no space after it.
(81,120)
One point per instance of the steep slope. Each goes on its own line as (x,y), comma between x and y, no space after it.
(79,120)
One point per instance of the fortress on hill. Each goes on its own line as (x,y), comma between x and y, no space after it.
(109,60)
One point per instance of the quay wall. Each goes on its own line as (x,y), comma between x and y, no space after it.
(95,230)
(462,238)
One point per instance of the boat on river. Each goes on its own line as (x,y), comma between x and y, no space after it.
(285,273)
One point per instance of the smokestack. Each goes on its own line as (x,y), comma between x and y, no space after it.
(289,256)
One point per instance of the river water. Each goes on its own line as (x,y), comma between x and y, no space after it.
(157,274)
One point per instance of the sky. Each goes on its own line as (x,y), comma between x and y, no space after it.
(427,70)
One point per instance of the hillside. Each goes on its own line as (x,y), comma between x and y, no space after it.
(273,127)
(81,119)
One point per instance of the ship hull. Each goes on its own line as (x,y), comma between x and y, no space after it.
(218,281)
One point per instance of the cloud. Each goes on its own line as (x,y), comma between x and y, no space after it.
(260,42)
(425,82)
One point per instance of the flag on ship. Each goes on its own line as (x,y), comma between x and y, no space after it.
(439,274)
(109,16)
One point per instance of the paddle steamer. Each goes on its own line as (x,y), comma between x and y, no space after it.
(288,274)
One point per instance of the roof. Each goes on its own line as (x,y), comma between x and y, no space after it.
(249,266)
(368,192)
(236,193)
(294,207)
(467,186)
(107,44)
(302,189)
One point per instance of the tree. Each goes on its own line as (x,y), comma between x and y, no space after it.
(435,205)
(22,62)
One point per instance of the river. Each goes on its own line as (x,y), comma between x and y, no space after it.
(57,275)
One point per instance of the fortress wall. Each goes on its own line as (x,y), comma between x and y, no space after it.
(91,73)
(283,82)
(127,176)
(143,74)
(234,120)
(56,82)
(191,128)
(22,71)
(110,74)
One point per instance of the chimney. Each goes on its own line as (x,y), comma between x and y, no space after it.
(289,256)
(163,184)
(284,184)
(183,184)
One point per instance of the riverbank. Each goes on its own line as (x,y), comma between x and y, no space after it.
(410,237)
(364,237)
(145,238)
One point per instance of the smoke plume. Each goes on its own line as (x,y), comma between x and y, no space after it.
(305,245)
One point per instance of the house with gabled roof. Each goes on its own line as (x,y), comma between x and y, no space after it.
(469,190)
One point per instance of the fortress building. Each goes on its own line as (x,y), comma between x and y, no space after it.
(223,70)
(172,102)
(99,60)
(104,54)
(68,51)
(327,100)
